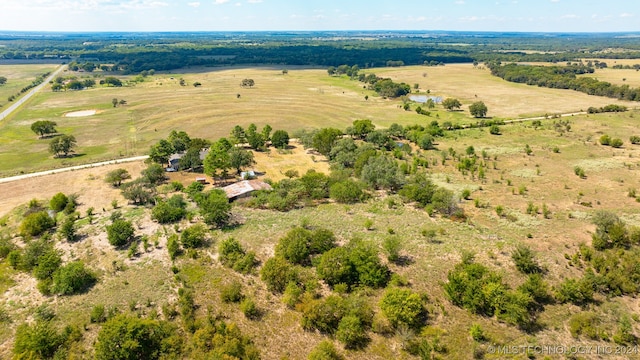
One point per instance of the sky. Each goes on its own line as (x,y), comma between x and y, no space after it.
(301,15)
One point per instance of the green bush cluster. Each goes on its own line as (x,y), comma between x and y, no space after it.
(231,254)
(356,264)
(170,210)
(299,245)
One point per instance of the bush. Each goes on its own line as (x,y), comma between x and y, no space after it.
(232,255)
(585,323)
(280,139)
(67,230)
(605,140)
(578,292)
(351,332)
(98,314)
(392,247)
(72,278)
(277,273)
(525,261)
(403,306)
(58,202)
(48,263)
(494,130)
(616,143)
(249,308)
(173,246)
(325,351)
(635,140)
(476,333)
(323,315)
(354,264)
(231,292)
(127,337)
(193,236)
(36,223)
(579,171)
(171,210)
(214,207)
(120,232)
(346,192)
(37,341)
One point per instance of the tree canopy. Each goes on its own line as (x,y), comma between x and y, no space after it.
(44,127)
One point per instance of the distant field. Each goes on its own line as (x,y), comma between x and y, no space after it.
(618,76)
(19,76)
(304,98)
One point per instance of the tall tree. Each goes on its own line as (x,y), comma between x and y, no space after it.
(478,109)
(239,158)
(280,139)
(62,145)
(324,139)
(117,176)
(217,160)
(161,151)
(44,127)
(451,104)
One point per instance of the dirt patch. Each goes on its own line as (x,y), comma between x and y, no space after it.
(89,183)
(80,113)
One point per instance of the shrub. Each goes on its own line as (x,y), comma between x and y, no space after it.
(403,306)
(325,351)
(249,308)
(67,230)
(173,246)
(578,292)
(120,232)
(585,323)
(323,315)
(494,130)
(524,260)
(280,139)
(232,255)
(616,143)
(346,192)
(476,333)
(48,263)
(351,332)
(193,236)
(214,207)
(72,278)
(231,292)
(171,210)
(128,337)
(392,247)
(98,314)
(277,273)
(58,202)
(605,140)
(579,171)
(36,223)
(37,341)
(634,139)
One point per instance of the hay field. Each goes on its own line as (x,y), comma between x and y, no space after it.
(618,76)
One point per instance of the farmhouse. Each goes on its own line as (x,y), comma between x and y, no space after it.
(244,188)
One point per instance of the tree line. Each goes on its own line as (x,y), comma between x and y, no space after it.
(563,77)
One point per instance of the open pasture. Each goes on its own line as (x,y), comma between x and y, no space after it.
(303,98)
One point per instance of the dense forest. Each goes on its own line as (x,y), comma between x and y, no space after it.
(135,52)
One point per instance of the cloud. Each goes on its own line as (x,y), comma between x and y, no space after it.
(626,15)
(194,4)
(570,16)
(83,5)
(555,1)
(220,2)
(459,2)
(254,1)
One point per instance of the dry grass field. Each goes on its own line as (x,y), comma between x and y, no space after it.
(19,76)
(307,99)
(304,98)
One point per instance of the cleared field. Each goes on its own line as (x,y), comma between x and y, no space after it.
(303,98)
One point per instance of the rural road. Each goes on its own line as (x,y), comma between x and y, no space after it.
(31,92)
(72,168)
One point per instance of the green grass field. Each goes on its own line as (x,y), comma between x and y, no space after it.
(19,76)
